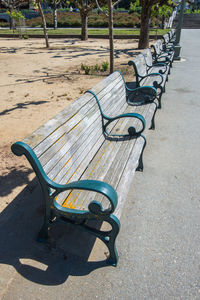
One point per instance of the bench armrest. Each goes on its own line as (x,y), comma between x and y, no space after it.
(168,48)
(161,64)
(167,59)
(21,148)
(88,185)
(131,130)
(153,74)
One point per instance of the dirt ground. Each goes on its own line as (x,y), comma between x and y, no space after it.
(36,83)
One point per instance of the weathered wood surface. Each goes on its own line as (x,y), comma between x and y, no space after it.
(154,67)
(160,54)
(72,146)
(142,70)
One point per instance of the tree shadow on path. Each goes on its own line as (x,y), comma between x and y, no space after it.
(21,105)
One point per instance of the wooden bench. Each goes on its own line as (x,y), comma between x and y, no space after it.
(150,75)
(89,151)
(172,35)
(161,55)
(168,43)
(157,67)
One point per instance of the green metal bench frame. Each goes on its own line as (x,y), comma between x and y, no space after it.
(155,83)
(55,212)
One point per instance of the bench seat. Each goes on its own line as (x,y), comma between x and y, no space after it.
(86,156)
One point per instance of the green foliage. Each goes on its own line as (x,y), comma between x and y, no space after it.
(190,11)
(162,8)
(16,15)
(95,69)
(104,8)
(85,68)
(120,9)
(104,66)
(187,11)
(73,19)
(135,7)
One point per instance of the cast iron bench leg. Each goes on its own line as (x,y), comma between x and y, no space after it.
(140,166)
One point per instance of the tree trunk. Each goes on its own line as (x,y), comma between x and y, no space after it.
(44,23)
(11,21)
(55,18)
(163,22)
(144,30)
(111,38)
(84,25)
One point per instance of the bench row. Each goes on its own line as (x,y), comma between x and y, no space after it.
(86,156)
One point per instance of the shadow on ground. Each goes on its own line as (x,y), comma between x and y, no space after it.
(14,177)
(66,252)
(21,105)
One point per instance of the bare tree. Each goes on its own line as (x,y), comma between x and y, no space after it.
(84,6)
(55,15)
(43,22)
(111,6)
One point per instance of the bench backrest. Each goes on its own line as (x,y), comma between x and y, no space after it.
(171,34)
(157,48)
(166,38)
(140,67)
(148,57)
(66,144)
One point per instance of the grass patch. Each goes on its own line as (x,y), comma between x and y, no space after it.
(67,31)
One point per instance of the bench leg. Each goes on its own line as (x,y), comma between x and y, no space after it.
(110,239)
(140,166)
(43,233)
(159,97)
(164,89)
(160,92)
(152,127)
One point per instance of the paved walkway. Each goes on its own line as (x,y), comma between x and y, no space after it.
(159,242)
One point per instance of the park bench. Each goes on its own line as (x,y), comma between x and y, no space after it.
(172,35)
(150,75)
(168,42)
(161,55)
(157,67)
(90,150)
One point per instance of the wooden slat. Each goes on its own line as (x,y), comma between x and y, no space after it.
(73,136)
(75,148)
(141,65)
(60,119)
(99,166)
(104,170)
(72,146)
(112,161)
